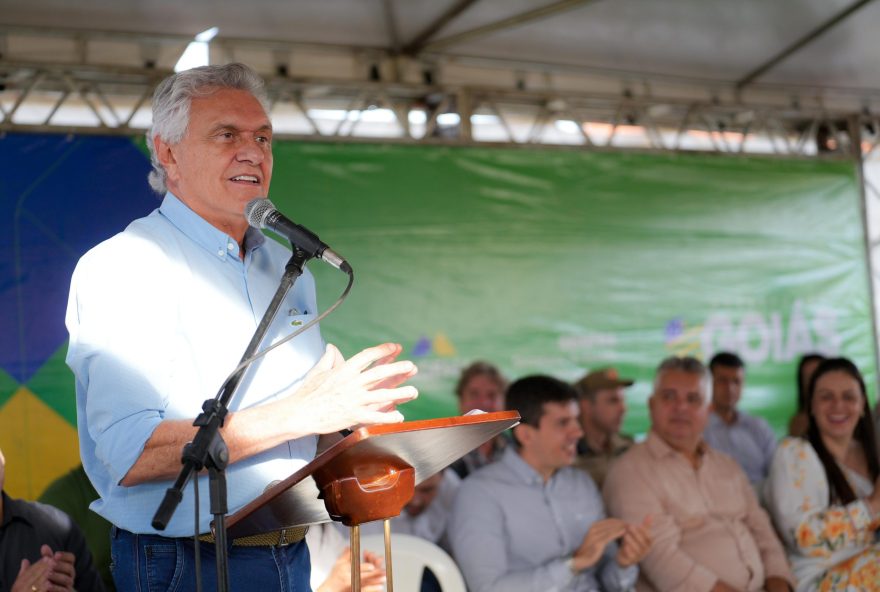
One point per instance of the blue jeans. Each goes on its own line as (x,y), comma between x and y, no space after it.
(150,563)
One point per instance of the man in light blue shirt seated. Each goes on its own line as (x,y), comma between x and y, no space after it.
(160,314)
(748,439)
(531,522)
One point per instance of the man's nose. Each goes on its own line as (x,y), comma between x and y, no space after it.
(250,150)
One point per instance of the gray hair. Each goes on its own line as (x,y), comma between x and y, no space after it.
(174,95)
(689,365)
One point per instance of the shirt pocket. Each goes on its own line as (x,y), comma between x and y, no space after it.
(309,340)
(687,513)
(290,320)
(689,521)
(301,352)
(726,492)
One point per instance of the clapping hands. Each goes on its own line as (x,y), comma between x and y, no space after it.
(53,572)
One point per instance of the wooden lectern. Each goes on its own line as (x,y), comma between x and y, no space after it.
(369,475)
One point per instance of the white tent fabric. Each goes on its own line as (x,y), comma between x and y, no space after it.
(715,43)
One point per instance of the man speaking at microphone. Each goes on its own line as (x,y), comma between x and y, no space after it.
(162,312)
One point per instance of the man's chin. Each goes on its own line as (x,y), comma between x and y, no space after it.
(677,438)
(246,193)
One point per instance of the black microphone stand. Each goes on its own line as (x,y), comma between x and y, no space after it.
(207,449)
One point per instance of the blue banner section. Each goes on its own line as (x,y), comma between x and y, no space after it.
(59,196)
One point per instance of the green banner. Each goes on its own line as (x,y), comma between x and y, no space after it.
(539,260)
(561,261)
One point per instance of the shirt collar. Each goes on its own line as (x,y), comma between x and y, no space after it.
(660,449)
(521,468)
(715,419)
(12,510)
(203,232)
(616,444)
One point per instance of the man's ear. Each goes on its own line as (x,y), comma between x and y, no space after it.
(165,156)
(652,401)
(586,407)
(523,433)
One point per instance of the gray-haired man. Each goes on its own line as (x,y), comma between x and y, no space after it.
(160,313)
(710,533)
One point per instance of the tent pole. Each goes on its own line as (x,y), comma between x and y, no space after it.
(855,134)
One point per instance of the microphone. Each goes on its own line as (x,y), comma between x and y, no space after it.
(261,213)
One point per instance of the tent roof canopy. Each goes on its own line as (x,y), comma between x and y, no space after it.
(797,70)
(710,42)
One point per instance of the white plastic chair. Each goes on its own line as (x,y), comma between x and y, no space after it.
(410,556)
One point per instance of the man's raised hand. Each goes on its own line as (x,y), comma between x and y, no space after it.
(363,390)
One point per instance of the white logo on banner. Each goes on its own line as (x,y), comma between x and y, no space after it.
(591,346)
(760,337)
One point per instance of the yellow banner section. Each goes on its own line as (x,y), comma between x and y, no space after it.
(39,445)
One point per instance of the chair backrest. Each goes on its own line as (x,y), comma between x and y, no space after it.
(410,555)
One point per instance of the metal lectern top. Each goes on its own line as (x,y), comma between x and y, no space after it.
(368,474)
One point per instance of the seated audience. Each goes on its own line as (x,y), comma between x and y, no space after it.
(797,425)
(426,515)
(709,531)
(72,494)
(602,405)
(41,548)
(331,562)
(748,439)
(480,386)
(531,522)
(823,491)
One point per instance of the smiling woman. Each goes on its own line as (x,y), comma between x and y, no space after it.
(824,491)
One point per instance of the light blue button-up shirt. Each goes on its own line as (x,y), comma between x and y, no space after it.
(512,532)
(749,440)
(158,316)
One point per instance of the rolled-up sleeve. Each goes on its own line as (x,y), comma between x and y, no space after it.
(120,357)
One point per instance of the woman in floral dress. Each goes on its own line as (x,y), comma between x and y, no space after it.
(823,491)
